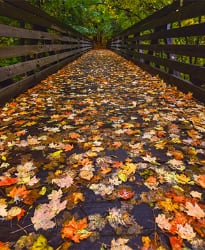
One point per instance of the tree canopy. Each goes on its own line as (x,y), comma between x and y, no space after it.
(100,19)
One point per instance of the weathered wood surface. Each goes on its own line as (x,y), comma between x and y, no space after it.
(153,43)
(40,45)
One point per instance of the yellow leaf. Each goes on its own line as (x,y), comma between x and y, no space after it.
(56,154)
(122,176)
(176,140)
(182,178)
(14,211)
(146,242)
(77,197)
(42,191)
(168,205)
(3,158)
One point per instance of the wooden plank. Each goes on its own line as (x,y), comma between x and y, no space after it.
(17,88)
(192,30)
(23,67)
(19,14)
(29,8)
(190,10)
(187,50)
(192,70)
(10,31)
(183,85)
(158,14)
(23,50)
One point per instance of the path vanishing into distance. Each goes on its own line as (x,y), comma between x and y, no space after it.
(101,155)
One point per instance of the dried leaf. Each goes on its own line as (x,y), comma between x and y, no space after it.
(176,242)
(76,230)
(194,210)
(7,181)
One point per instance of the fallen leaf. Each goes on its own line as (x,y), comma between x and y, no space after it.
(76,230)
(194,210)
(4,246)
(125,193)
(7,181)
(200,180)
(176,242)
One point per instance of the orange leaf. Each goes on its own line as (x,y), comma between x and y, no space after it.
(192,133)
(151,179)
(20,192)
(125,193)
(178,155)
(201,180)
(4,246)
(22,132)
(7,181)
(176,242)
(105,170)
(74,135)
(68,147)
(76,230)
(21,214)
(117,144)
(117,164)
(161,133)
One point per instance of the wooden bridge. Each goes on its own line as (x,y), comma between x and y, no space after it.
(100,149)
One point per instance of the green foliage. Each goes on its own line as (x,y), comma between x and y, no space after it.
(100,19)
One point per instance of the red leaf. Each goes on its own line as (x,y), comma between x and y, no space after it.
(7,181)
(176,242)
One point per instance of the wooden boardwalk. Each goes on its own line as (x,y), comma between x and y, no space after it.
(101,155)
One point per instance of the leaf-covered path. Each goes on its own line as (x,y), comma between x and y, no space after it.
(101,155)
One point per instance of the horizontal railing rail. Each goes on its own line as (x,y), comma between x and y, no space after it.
(33,45)
(170,43)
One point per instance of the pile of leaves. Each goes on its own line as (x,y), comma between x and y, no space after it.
(101,155)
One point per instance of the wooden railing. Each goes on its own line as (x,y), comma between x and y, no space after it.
(170,43)
(34,46)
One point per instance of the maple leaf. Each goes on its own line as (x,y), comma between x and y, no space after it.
(96,221)
(4,246)
(176,164)
(176,242)
(76,230)
(55,195)
(168,205)
(74,135)
(146,243)
(194,210)
(68,147)
(44,213)
(78,197)
(64,181)
(120,244)
(196,194)
(19,193)
(3,207)
(151,182)
(117,164)
(200,180)
(182,178)
(56,154)
(40,243)
(125,193)
(186,232)
(15,212)
(148,158)
(117,144)
(86,174)
(7,181)
(163,222)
